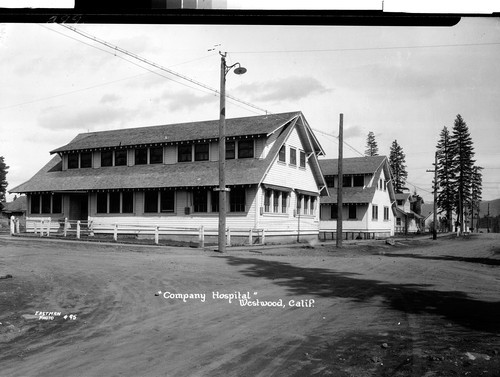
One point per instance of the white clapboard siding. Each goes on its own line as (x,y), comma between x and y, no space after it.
(284,174)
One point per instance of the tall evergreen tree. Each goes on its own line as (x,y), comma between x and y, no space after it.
(397,163)
(476,194)
(3,179)
(446,194)
(462,150)
(371,145)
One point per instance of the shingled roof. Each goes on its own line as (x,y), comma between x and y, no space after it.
(186,174)
(350,195)
(247,171)
(352,165)
(174,133)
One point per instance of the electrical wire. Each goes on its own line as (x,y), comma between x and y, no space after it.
(137,57)
(366,48)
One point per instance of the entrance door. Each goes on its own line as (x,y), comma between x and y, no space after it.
(78,207)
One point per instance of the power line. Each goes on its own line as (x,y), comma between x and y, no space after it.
(137,57)
(367,48)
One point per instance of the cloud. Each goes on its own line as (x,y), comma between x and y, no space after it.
(109,98)
(58,118)
(291,88)
(185,100)
(354,131)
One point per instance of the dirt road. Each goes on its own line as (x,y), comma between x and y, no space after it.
(426,308)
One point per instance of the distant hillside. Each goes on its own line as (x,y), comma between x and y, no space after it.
(494,208)
(427,208)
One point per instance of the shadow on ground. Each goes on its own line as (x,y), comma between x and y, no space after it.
(487,261)
(455,306)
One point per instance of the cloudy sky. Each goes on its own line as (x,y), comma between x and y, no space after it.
(402,83)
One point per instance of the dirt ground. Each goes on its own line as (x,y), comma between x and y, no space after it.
(419,308)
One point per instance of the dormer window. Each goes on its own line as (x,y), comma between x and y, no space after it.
(230,150)
(184,153)
(156,155)
(141,156)
(201,152)
(73,161)
(121,157)
(106,158)
(245,149)
(86,160)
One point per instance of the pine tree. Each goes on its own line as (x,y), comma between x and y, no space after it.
(462,151)
(371,145)
(398,167)
(446,194)
(476,194)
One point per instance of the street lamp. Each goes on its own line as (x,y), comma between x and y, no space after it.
(224,69)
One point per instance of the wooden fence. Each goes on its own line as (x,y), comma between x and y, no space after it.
(47,227)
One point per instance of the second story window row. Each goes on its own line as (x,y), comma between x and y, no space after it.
(155,155)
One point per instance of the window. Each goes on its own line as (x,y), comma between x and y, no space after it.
(299,203)
(156,155)
(35,203)
(293,156)
(330,181)
(57,203)
(106,158)
(282,154)
(184,153)
(267,200)
(214,201)
(102,202)
(237,199)
(230,150)
(121,157)
(399,202)
(346,180)
(200,201)
(386,213)
(151,201)
(86,160)
(114,202)
(312,205)
(385,185)
(375,212)
(284,202)
(398,221)
(352,212)
(201,152)
(276,202)
(358,181)
(127,202)
(335,213)
(167,201)
(46,203)
(73,161)
(302,159)
(141,156)
(245,149)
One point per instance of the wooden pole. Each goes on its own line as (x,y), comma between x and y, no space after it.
(222,157)
(340,185)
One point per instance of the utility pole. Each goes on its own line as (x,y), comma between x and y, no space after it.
(341,181)
(224,69)
(434,228)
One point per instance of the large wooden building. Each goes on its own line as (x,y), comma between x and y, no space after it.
(166,175)
(368,198)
